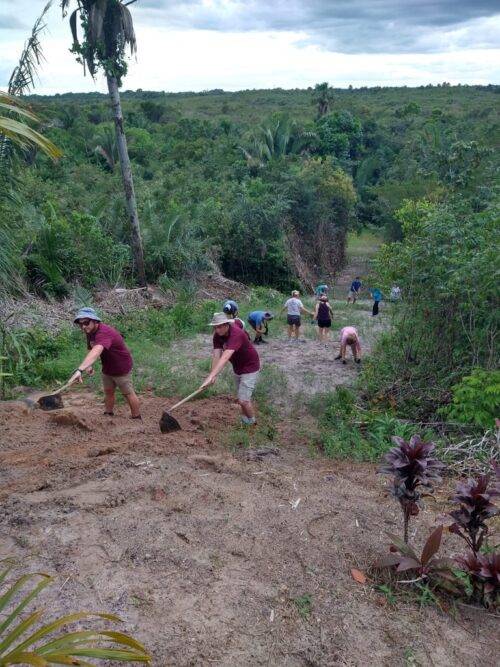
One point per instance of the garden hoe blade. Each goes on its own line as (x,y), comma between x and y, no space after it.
(168,424)
(54,401)
(51,402)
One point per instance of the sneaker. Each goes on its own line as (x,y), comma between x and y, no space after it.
(358,361)
(109,414)
(248,421)
(338,357)
(264,341)
(137,417)
(344,362)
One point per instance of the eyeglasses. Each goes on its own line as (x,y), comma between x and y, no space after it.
(84,323)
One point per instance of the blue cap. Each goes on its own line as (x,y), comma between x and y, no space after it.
(88,313)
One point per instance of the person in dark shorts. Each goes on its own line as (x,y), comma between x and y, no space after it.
(323,315)
(294,308)
(258,320)
(107,344)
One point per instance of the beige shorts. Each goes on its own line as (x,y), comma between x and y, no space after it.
(123,382)
(245,384)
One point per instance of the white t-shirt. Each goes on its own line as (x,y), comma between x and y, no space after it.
(293,306)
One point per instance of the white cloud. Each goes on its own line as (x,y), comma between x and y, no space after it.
(189,59)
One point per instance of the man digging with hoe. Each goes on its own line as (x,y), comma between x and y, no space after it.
(232,344)
(106,343)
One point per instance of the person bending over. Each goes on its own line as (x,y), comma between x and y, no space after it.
(349,336)
(258,320)
(230,343)
(230,307)
(354,290)
(107,344)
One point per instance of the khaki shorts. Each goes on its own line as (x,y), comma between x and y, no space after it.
(245,384)
(123,382)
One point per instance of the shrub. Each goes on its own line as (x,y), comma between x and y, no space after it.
(476,399)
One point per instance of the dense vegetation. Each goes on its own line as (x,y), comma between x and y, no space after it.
(263,185)
(252,182)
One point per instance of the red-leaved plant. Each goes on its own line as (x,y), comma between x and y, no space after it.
(413,467)
(484,571)
(474,499)
(404,557)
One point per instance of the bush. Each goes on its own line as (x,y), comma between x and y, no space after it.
(476,399)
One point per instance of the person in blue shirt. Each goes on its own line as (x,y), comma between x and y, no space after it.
(377,297)
(320,290)
(258,320)
(354,290)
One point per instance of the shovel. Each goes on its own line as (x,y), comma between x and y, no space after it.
(54,401)
(168,424)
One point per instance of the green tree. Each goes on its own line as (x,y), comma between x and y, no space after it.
(323,97)
(108,28)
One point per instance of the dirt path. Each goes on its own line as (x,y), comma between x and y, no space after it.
(211,558)
(211,555)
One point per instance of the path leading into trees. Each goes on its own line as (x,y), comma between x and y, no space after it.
(211,553)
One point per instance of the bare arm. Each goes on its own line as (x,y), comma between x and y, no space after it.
(217,366)
(216,355)
(86,364)
(316,311)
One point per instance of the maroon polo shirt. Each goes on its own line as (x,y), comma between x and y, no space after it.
(115,358)
(245,358)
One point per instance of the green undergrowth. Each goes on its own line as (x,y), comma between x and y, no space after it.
(347,430)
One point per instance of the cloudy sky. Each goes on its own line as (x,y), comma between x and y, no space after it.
(238,44)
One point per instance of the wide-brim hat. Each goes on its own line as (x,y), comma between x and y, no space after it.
(88,314)
(218,319)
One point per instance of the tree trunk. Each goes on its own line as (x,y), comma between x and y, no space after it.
(128,183)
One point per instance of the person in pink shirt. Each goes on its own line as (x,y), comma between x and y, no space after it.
(349,336)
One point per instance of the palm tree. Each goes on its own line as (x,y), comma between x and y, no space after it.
(282,137)
(108,29)
(323,97)
(20,133)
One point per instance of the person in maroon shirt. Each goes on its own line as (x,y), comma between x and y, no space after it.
(232,344)
(106,343)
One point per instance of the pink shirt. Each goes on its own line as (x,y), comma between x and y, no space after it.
(348,332)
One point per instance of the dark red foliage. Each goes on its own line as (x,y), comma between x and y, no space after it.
(484,570)
(474,499)
(412,465)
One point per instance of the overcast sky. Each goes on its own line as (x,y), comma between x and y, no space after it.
(239,44)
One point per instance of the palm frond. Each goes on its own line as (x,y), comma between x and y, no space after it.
(64,649)
(23,76)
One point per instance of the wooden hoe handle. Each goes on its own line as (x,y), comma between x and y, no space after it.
(188,398)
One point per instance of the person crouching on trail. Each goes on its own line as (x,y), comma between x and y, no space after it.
(323,314)
(232,344)
(230,307)
(106,343)
(294,308)
(349,336)
(258,320)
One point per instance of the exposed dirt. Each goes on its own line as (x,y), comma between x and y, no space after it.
(206,554)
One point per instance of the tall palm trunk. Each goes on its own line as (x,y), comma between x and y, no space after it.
(128,183)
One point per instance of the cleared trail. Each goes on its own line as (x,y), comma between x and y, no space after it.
(210,555)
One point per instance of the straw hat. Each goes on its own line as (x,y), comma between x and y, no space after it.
(218,319)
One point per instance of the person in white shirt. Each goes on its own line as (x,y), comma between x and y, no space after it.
(294,308)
